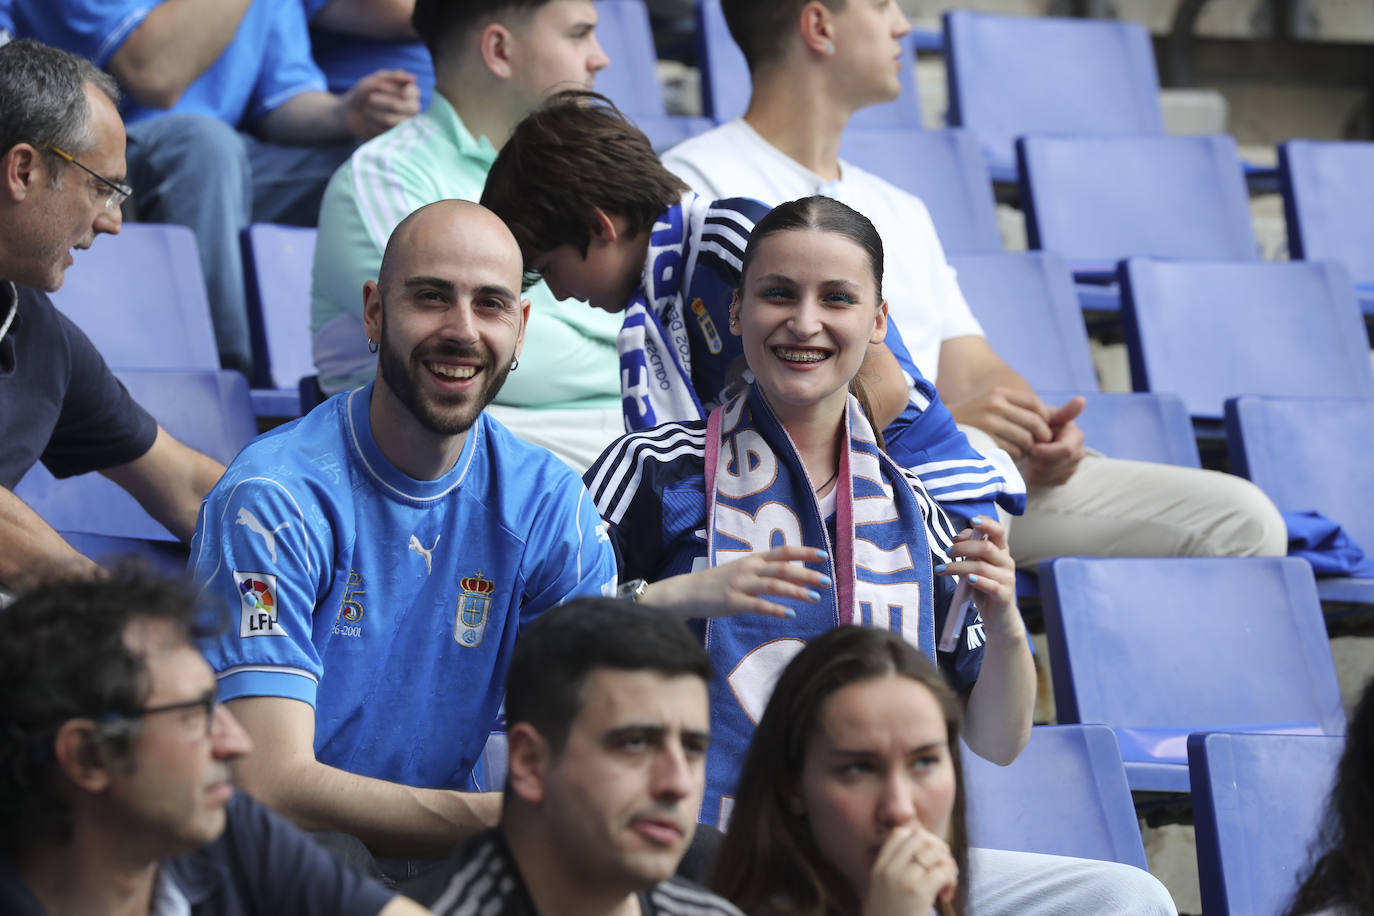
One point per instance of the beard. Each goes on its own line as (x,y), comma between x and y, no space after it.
(449,415)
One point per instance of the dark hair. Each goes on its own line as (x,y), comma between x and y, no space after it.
(439,22)
(573,153)
(554,656)
(66,660)
(827,215)
(762,29)
(1341,877)
(769,861)
(43,99)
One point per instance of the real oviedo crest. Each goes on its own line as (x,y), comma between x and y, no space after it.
(474,610)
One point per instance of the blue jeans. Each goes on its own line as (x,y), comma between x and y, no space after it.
(197,171)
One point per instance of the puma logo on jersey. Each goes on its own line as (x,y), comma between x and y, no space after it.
(428,555)
(269,537)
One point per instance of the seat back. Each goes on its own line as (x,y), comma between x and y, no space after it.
(277,263)
(1176,644)
(1137,427)
(944,169)
(140,297)
(1257,807)
(1328,199)
(1065,795)
(209,410)
(1209,330)
(1026,304)
(631,80)
(726,84)
(1308,454)
(1100,199)
(1014,75)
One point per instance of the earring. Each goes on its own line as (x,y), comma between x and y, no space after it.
(371,345)
(830,47)
(515,364)
(734,321)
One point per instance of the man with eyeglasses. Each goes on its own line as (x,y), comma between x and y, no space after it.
(61,185)
(230,121)
(115,772)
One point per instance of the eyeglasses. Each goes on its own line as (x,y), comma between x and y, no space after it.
(207,701)
(118,192)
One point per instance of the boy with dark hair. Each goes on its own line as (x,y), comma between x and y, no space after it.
(606,707)
(598,217)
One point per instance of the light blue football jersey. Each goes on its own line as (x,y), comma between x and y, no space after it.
(389,604)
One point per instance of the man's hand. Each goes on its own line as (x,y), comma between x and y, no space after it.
(1016,419)
(380,101)
(1050,464)
(737,587)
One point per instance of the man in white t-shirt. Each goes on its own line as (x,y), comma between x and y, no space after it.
(839,57)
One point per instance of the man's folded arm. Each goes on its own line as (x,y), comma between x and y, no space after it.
(31,551)
(392,819)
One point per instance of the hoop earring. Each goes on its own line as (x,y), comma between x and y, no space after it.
(515,364)
(371,345)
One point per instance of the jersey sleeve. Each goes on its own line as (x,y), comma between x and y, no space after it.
(94,29)
(261,574)
(568,554)
(287,67)
(629,483)
(100,424)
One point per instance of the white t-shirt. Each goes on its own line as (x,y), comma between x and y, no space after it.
(922,293)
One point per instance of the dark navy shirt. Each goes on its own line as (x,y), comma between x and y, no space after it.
(59,402)
(260,866)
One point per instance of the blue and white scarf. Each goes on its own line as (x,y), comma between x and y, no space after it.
(759,496)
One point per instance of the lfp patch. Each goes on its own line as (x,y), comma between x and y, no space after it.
(258,613)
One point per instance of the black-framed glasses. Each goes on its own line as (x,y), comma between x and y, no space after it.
(206,701)
(118,192)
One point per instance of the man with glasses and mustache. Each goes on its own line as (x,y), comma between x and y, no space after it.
(61,185)
(115,760)
(384,551)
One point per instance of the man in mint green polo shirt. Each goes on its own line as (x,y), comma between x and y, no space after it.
(494,61)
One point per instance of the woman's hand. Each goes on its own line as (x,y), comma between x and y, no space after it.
(985,562)
(913,868)
(736,587)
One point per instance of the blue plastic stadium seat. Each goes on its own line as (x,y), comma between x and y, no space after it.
(725,81)
(1138,427)
(208,410)
(140,297)
(1257,806)
(1209,331)
(631,80)
(1025,302)
(1161,648)
(1328,199)
(1098,200)
(277,263)
(1311,455)
(1010,76)
(1065,795)
(944,169)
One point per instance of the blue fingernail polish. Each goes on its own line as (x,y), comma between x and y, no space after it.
(972,578)
(940,568)
(825,580)
(814,596)
(822,555)
(976,521)
(788,612)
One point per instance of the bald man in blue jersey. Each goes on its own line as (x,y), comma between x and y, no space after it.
(381,554)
